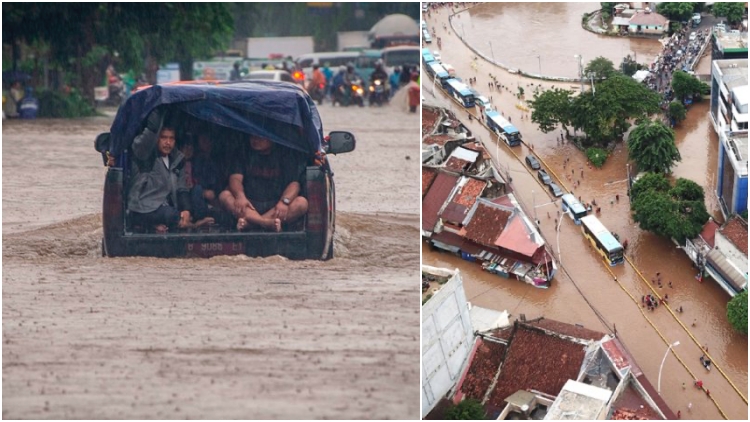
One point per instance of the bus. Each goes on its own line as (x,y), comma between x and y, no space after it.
(507,131)
(401,55)
(460,92)
(365,63)
(572,207)
(602,240)
(427,56)
(437,72)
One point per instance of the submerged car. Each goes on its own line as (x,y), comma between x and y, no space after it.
(555,190)
(543,177)
(278,111)
(533,162)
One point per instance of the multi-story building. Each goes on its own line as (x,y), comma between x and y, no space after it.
(728,44)
(729,95)
(731,186)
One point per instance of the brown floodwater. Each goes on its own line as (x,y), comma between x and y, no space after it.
(86,337)
(703,303)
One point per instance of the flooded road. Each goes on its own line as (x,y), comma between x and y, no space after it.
(518,36)
(228,337)
(703,303)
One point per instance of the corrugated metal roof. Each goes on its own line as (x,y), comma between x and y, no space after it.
(730,273)
(435,198)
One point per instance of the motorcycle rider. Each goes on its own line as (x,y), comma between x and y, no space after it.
(337,82)
(351,76)
(380,74)
(317,85)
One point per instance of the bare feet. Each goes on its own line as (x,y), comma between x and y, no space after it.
(203,222)
(241,224)
(161,229)
(277,224)
(269,224)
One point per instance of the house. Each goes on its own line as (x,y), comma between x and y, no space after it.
(648,22)
(545,369)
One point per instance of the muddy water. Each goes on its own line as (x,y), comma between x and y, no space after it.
(516,33)
(703,303)
(228,337)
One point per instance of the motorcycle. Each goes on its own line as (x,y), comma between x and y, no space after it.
(318,93)
(357,93)
(378,92)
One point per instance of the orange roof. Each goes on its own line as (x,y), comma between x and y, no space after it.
(736,231)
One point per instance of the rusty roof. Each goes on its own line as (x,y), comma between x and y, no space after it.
(428,176)
(435,198)
(538,361)
(648,19)
(456,164)
(487,224)
(631,405)
(438,139)
(709,232)
(454,213)
(482,369)
(565,329)
(470,192)
(736,232)
(476,146)
(430,119)
(516,237)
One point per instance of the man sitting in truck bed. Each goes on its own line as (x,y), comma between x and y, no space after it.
(264,187)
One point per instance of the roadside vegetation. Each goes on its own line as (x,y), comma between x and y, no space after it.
(469,409)
(652,146)
(676,212)
(737,312)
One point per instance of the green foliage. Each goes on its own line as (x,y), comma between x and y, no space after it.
(676,11)
(677,111)
(58,104)
(426,298)
(685,85)
(608,7)
(732,11)
(677,212)
(652,146)
(743,214)
(629,66)
(469,409)
(520,91)
(601,67)
(737,312)
(597,156)
(551,108)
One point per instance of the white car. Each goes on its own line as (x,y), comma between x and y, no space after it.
(436,55)
(270,75)
(693,35)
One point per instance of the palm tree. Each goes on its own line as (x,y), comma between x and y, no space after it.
(651,145)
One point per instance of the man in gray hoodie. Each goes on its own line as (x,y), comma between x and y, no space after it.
(159,197)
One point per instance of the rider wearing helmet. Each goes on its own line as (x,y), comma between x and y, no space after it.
(351,75)
(379,72)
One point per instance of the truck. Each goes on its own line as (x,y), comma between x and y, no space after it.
(276,47)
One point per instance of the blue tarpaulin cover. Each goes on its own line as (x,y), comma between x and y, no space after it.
(279,111)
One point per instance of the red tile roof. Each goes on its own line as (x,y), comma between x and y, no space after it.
(470,192)
(454,213)
(481,372)
(456,164)
(430,118)
(428,176)
(709,232)
(632,406)
(503,200)
(516,238)
(648,19)
(736,231)
(487,224)
(535,360)
(567,329)
(435,199)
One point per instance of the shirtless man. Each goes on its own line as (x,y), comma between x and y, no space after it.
(264,187)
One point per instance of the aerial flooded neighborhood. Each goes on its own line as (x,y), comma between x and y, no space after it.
(584,210)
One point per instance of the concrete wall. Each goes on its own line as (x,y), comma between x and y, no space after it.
(447,338)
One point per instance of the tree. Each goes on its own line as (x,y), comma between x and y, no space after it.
(732,11)
(678,212)
(469,409)
(676,11)
(651,145)
(737,311)
(551,108)
(677,111)
(601,67)
(685,85)
(629,66)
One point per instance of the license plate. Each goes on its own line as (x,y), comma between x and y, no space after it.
(208,249)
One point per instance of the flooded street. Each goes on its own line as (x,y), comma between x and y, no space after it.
(703,303)
(86,337)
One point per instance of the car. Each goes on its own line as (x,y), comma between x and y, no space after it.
(555,190)
(544,177)
(282,112)
(436,55)
(270,75)
(692,37)
(533,162)
(426,36)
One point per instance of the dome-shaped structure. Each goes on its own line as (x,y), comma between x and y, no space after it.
(394,29)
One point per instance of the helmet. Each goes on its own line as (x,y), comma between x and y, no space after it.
(342,68)
(350,68)
(379,63)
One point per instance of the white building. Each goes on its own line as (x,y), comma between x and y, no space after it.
(729,95)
